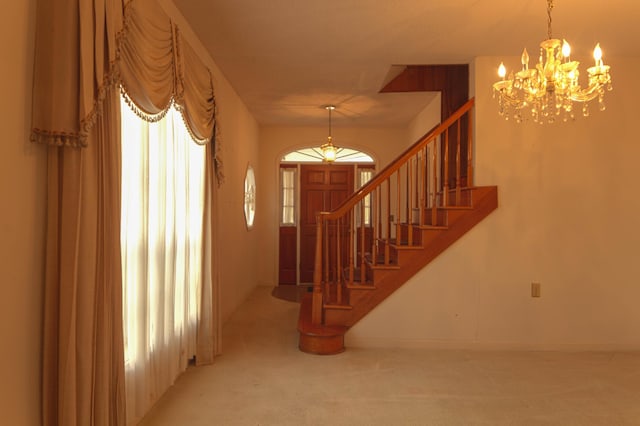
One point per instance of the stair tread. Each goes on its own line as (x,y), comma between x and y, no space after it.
(450,207)
(337,306)
(456,207)
(368,286)
(432,227)
(423,226)
(406,247)
(383,267)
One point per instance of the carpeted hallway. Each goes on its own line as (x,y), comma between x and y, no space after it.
(262,379)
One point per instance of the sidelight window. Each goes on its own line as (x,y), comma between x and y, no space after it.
(288,179)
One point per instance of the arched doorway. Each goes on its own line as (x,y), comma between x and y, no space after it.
(308,185)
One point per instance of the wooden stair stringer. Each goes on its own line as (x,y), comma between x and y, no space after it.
(485,201)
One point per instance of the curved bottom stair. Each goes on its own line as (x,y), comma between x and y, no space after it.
(318,339)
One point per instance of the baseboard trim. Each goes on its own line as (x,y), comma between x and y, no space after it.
(372,342)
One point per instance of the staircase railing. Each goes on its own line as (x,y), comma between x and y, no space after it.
(409,193)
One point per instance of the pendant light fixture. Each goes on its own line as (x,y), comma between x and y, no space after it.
(329,150)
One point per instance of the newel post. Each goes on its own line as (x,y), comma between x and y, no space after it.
(316,307)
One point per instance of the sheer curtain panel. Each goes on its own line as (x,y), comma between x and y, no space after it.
(163,181)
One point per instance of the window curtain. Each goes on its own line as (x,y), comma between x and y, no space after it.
(163,178)
(85,51)
(83,370)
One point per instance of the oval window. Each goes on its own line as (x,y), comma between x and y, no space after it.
(249,197)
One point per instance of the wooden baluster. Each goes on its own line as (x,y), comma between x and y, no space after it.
(423,181)
(445,176)
(316,302)
(362,242)
(327,242)
(351,245)
(388,220)
(469,150)
(373,216)
(410,202)
(434,184)
(398,206)
(458,166)
(338,280)
(380,229)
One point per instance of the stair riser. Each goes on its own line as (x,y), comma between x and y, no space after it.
(428,235)
(320,345)
(441,218)
(337,316)
(454,215)
(379,274)
(408,256)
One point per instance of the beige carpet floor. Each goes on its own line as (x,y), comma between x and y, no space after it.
(262,379)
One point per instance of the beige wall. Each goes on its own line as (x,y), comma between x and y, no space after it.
(237,245)
(22,225)
(567,218)
(425,120)
(239,138)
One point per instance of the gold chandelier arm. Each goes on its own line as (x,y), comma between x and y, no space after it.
(584,95)
(506,94)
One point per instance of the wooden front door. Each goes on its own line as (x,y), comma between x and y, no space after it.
(322,188)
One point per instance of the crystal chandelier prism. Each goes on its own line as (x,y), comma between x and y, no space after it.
(551,88)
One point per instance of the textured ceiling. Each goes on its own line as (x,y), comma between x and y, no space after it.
(289,58)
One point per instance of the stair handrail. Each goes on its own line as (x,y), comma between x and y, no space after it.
(385,175)
(398,162)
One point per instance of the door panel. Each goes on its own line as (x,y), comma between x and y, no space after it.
(313,201)
(323,188)
(338,177)
(288,255)
(314,176)
(336,198)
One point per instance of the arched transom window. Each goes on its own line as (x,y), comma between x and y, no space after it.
(314,155)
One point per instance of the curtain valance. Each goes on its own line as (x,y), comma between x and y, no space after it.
(84,48)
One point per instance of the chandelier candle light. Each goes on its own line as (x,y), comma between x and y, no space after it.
(329,150)
(552,86)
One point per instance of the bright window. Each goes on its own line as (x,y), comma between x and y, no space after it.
(314,155)
(249,197)
(161,236)
(364,176)
(288,196)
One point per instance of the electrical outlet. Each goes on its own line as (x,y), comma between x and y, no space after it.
(535,289)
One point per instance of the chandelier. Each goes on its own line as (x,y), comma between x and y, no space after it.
(329,150)
(552,87)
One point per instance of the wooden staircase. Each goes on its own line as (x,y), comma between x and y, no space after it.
(390,229)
